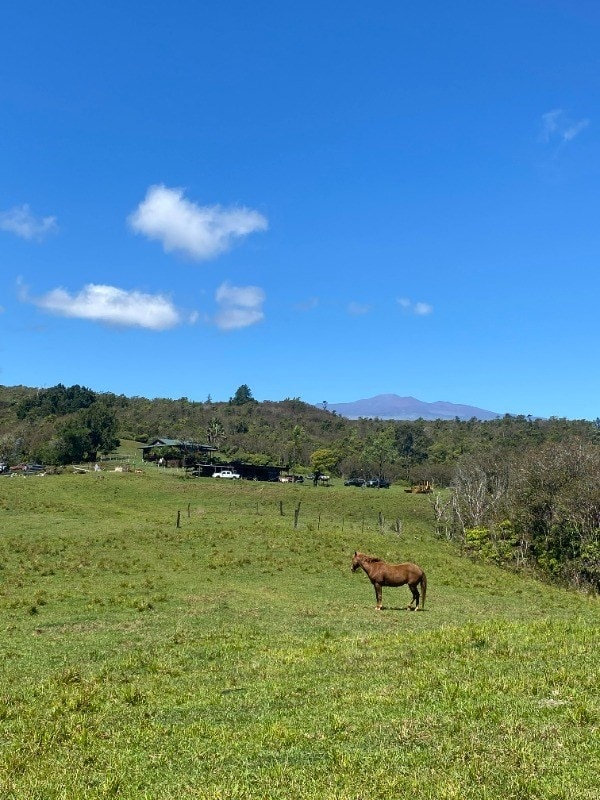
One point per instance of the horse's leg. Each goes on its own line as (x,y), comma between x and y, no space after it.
(377,596)
(416,597)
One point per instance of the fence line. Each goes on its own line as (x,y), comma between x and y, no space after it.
(300,518)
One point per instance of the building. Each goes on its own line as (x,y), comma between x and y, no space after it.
(175,452)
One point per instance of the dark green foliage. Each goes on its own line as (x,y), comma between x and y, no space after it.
(242,396)
(411,444)
(101,424)
(57,400)
(86,433)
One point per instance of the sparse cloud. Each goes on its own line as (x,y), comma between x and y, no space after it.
(239,306)
(21,222)
(358,309)
(420,309)
(200,232)
(307,305)
(113,306)
(560,128)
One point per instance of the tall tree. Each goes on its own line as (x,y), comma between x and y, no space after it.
(101,424)
(298,436)
(324,460)
(242,395)
(380,450)
(215,432)
(412,445)
(87,433)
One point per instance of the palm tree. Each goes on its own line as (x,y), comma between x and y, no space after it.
(215,432)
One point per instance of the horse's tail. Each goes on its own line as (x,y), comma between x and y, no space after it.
(424,588)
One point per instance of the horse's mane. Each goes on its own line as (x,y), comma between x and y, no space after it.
(372,559)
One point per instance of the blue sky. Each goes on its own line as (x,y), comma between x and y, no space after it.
(321,200)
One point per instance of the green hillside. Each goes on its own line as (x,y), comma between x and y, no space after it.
(236,656)
(62,425)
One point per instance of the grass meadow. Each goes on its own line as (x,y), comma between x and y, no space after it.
(236,656)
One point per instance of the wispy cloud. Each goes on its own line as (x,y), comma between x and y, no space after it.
(420,309)
(559,127)
(20,221)
(239,306)
(358,309)
(201,232)
(112,306)
(307,305)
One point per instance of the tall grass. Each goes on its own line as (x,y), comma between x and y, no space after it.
(236,656)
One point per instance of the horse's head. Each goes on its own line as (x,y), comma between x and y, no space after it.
(355,562)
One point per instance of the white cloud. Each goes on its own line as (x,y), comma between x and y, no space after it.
(114,306)
(574,129)
(20,221)
(420,309)
(240,306)
(201,232)
(557,126)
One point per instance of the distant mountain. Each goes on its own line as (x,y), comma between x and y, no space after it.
(391,406)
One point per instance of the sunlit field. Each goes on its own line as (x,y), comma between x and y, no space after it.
(171,637)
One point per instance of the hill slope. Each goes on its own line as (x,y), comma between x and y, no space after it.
(236,656)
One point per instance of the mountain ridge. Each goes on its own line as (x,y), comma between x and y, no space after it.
(392,406)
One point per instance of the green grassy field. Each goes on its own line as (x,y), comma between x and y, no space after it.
(236,656)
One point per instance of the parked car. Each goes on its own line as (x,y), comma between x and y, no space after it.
(355,482)
(227,473)
(322,479)
(27,469)
(378,483)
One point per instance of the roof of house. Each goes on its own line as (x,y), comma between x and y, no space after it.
(180,443)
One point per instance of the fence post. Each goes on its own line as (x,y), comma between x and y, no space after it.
(178,518)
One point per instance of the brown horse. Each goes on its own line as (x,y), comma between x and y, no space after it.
(381,573)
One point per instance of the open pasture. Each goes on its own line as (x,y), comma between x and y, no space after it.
(236,656)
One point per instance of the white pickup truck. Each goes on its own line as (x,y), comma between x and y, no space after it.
(227,473)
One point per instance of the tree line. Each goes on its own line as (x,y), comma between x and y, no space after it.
(62,424)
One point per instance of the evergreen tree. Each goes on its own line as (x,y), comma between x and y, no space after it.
(243,395)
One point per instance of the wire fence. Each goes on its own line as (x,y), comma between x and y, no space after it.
(300,517)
